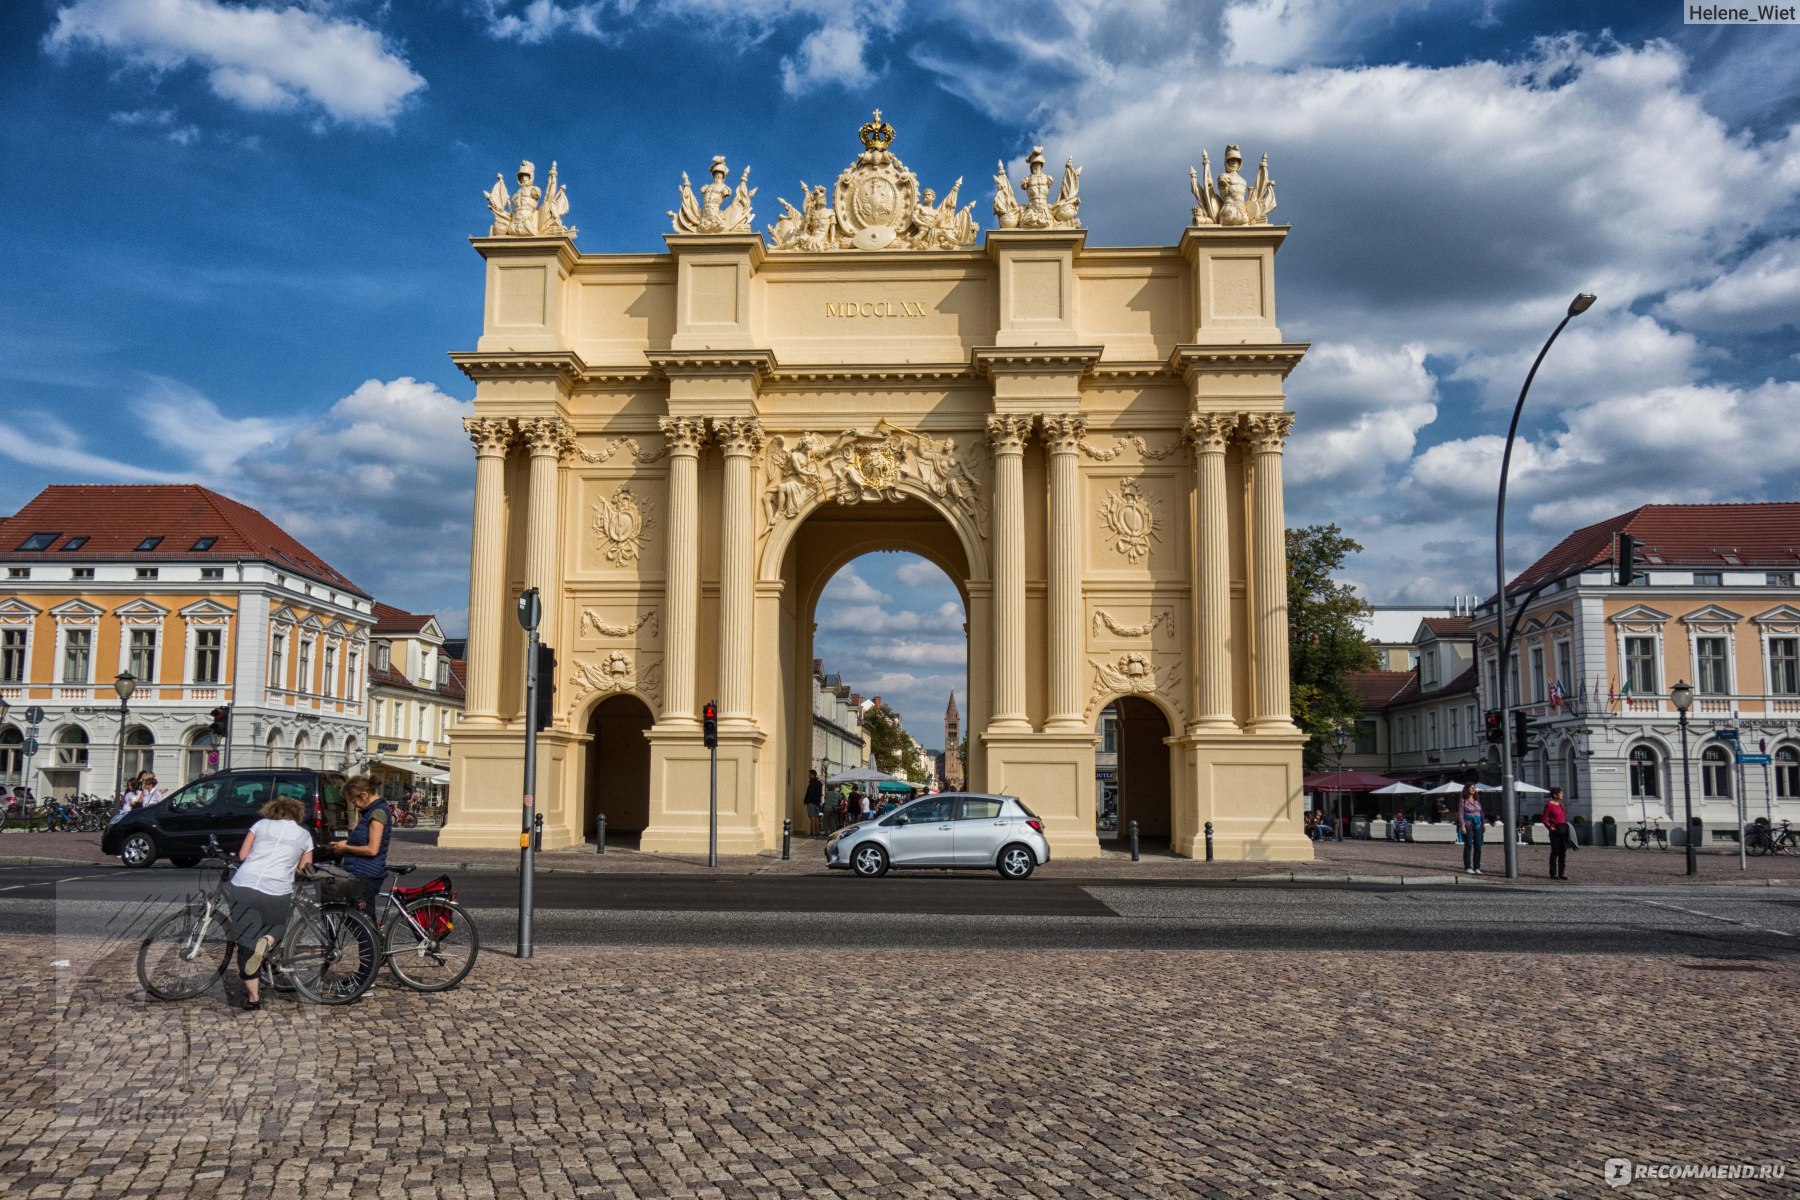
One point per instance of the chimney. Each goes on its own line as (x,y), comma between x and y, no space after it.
(856,699)
(818,666)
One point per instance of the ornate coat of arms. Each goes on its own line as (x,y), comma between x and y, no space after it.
(620,524)
(876,205)
(1130,521)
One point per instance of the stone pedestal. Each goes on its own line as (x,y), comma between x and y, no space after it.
(1053,774)
(680,778)
(1250,789)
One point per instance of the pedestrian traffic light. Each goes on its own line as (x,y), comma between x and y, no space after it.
(545,712)
(221,721)
(1624,559)
(1494,727)
(709,724)
(1519,722)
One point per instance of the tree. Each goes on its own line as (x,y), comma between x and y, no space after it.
(887,740)
(1325,641)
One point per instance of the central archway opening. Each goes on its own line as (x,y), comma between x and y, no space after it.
(1132,768)
(875,612)
(618,769)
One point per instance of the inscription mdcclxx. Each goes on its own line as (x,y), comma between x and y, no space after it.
(875,308)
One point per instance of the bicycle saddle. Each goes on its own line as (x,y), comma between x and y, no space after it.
(406,870)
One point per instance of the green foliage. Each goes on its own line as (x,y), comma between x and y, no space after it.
(887,741)
(1325,642)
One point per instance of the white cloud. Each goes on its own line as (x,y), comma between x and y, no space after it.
(872,618)
(919,573)
(847,587)
(41,440)
(833,54)
(919,653)
(536,21)
(160,119)
(181,419)
(260,57)
(1760,293)
(1359,411)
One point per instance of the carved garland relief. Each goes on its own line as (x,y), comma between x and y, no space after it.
(593,620)
(611,446)
(1105,620)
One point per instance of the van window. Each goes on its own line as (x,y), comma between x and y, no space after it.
(194,797)
(337,811)
(251,792)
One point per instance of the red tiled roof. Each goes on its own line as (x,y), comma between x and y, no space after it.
(1679,535)
(451,690)
(1464,682)
(116,518)
(389,619)
(1450,626)
(1377,688)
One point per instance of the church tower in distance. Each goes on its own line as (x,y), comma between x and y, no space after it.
(953,767)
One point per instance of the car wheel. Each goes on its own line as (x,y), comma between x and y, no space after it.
(185,861)
(139,850)
(869,861)
(1016,862)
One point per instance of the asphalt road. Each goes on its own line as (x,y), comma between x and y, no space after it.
(941,910)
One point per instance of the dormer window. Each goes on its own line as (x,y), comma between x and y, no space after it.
(149,543)
(76,542)
(205,543)
(39,541)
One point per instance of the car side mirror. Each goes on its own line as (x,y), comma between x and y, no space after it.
(903,820)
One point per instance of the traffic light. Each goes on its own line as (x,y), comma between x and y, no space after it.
(221,721)
(545,711)
(1494,729)
(1624,559)
(1519,722)
(709,724)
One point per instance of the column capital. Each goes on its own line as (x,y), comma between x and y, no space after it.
(1007,433)
(490,435)
(1062,432)
(1210,433)
(738,436)
(546,437)
(682,435)
(1267,432)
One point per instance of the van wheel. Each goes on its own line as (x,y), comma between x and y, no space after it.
(139,850)
(1016,862)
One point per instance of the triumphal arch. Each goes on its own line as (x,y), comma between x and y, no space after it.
(680,449)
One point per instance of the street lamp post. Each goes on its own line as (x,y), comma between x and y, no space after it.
(1340,738)
(124,685)
(1683,697)
(1509,799)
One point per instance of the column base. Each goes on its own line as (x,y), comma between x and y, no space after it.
(1053,773)
(680,781)
(1249,787)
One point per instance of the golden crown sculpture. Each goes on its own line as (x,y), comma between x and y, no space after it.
(876,134)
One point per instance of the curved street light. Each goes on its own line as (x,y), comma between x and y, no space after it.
(1509,799)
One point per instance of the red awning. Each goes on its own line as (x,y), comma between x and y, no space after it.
(1345,781)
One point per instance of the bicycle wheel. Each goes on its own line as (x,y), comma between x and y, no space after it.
(181,956)
(333,954)
(435,949)
(1634,838)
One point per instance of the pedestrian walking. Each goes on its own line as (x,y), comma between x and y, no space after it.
(1557,822)
(815,802)
(1471,819)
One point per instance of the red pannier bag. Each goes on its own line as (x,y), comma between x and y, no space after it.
(436,919)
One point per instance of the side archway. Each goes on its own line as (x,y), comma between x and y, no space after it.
(618,766)
(1143,765)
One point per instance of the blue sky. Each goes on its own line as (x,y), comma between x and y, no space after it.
(240,238)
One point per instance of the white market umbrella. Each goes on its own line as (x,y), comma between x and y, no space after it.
(1444,789)
(863,775)
(1530,789)
(1398,789)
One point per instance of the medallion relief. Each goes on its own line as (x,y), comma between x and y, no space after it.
(621,523)
(876,205)
(1131,521)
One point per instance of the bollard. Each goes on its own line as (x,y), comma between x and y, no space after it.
(600,834)
(537,833)
(1209,841)
(1134,842)
(787,838)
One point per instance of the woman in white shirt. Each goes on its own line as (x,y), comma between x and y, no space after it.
(276,849)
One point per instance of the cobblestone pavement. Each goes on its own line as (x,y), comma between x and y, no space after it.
(668,1073)
(1336,861)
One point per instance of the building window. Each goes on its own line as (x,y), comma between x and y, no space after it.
(212,572)
(303,684)
(12,755)
(76,542)
(147,572)
(1779,579)
(1715,773)
(1109,732)
(13,647)
(1512,678)
(384,656)
(330,688)
(1537,674)
(278,659)
(443,672)
(209,645)
(1565,667)
(141,658)
(1640,666)
(148,544)
(18,572)
(353,676)
(1428,668)
(205,543)
(39,541)
(81,572)
(1493,681)
(1787,773)
(140,751)
(1784,666)
(1365,737)
(1645,778)
(1708,579)
(72,747)
(1712,665)
(78,655)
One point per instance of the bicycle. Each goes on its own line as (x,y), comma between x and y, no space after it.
(1760,839)
(1639,836)
(429,941)
(330,953)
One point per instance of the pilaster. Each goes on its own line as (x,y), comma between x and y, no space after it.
(1007,434)
(1062,434)
(492,436)
(1265,434)
(682,600)
(740,439)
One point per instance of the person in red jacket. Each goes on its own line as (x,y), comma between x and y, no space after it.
(1557,822)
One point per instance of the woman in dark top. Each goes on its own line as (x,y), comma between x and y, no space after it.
(364,852)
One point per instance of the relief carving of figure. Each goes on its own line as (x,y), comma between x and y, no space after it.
(529,212)
(710,213)
(797,475)
(855,468)
(1230,201)
(620,524)
(877,204)
(1037,212)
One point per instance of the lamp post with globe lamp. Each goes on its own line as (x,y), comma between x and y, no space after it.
(1340,738)
(1682,696)
(124,685)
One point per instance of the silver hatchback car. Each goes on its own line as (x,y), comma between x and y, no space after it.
(954,829)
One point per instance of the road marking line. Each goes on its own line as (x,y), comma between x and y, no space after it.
(53,882)
(1694,912)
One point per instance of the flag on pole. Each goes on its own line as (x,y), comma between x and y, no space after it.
(1556,694)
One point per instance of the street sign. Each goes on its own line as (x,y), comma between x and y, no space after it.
(1755,759)
(31,746)
(35,714)
(31,731)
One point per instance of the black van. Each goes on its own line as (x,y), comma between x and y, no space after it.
(225,805)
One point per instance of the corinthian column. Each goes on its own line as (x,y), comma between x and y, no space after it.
(1007,436)
(740,438)
(1265,433)
(1208,435)
(681,601)
(547,439)
(487,570)
(1062,435)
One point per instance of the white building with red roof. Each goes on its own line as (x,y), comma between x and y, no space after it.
(415,696)
(206,605)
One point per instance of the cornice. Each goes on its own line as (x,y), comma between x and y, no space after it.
(528,247)
(713,364)
(1271,356)
(1132,372)
(842,374)
(564,366)
(990,361)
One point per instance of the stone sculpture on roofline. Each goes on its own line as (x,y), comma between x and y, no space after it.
(529,212)
(710,214)
(1037,212)
(1230,201)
